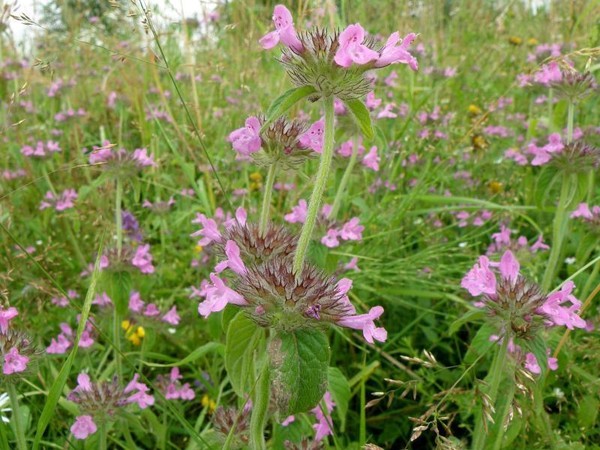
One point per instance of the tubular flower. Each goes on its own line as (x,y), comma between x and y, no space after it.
(284,31)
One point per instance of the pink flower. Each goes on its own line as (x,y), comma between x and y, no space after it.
(6,315)
(386,112)
(562,315)
(509,266)
(323,426)
(352,50)
(151,310)
(246,140)
(284,31)
(583,210)
(352,265)
(371,160)
(298,214)
(83,427)
(143,259)
(171,317)
(365,322)
(331,238)
(218,296)
(140,397)
(352,230)
(14,362)
(393,54)
(233,261)
(372,102)
(136,304)
(480,279)
(209,231)
(313,137)
(141,157)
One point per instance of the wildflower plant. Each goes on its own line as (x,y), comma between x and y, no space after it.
(276,349)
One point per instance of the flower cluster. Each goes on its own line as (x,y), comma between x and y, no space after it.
(284,142)
(66,339)
(151,310)
(41,150)
(59,202)
(172,387)
(517,307)
(270,292)
(334,64)
(98,402)
(121,162)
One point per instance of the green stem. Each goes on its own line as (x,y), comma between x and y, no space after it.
(341,189)
(542,419)
(501,415)
(118,216)
(117,341)
(266,203)
(319,188)
(260,407)
(550,105)
(102,436)
(495,376)
(559,229)
(570,116)
(16,417)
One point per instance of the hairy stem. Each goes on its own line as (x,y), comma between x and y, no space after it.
(266,203)
(319,187)
(495,376)
(118,216)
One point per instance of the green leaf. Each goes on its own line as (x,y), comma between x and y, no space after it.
(545,181)
(472,315)
(243,337)
(284,102)
(299,362)
(118,287)
(361,115)
(56,389)
(340,393)
(211,347)
(588,411)
(480,344)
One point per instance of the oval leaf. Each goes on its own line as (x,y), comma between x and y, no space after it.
(243,337)
(362,117)
(340,392)
(284,102)
(299,362)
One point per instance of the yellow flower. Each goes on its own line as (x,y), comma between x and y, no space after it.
(198,249)
(532,41)
(495,187)
(474,109)
(515,40)
(207,402)
(478,142)
(256,177)
(132,334)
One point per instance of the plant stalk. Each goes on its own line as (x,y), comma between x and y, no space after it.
(266,203)
(319,188)
(16,417)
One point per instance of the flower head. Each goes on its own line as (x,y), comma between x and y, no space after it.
(284,31)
